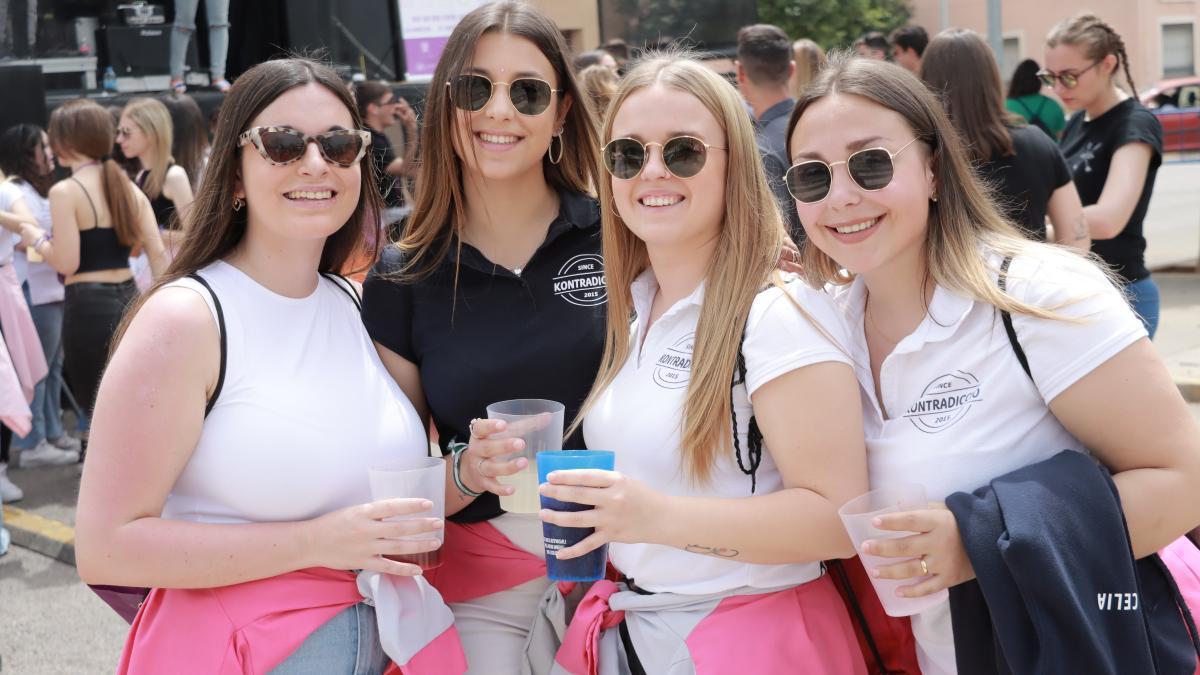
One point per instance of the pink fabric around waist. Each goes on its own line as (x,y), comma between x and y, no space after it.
(1182,558)
(250,628)
(766,633)
(20,334)
(478,560)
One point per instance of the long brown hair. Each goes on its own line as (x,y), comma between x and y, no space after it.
(810,59)
(81,127)
(214,229)
(438,208)
(189,131)
(960,68)
(752,234)
(1096,37)
(963,221)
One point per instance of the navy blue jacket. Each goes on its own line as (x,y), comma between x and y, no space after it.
(1057,589)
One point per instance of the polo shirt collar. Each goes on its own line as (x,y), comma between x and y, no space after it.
(780,109)
(947,310)
(645,287)
(575,212)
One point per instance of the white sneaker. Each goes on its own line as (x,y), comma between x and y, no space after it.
(45,454)
(9,492)
(67,442)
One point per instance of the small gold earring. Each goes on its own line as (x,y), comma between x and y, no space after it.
(238,203)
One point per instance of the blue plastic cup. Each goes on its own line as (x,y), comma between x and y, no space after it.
(589,567)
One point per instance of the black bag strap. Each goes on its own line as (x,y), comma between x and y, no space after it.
(346,287)
(838,569)
(754,437)
(212,400)
(631,657)
(1008,323)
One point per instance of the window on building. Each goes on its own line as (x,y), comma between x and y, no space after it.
(1178,50)
(1010,58)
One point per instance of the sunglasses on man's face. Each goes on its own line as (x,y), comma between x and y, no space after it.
(529,95)
(684,156)
(282,145)
(1069,79)
(871,169)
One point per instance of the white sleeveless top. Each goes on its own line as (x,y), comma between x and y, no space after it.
(306,407)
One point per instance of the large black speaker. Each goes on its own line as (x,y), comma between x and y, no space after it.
(29,107)
(138,51)
(358,33)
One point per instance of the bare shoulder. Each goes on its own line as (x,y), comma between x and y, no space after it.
(63,189)
(176,318)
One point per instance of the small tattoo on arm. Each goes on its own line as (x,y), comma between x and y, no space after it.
(1081,228)
(712,550)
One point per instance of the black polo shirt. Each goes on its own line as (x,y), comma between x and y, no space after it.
(498,335)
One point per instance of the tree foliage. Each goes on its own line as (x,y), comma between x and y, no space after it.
(833,23)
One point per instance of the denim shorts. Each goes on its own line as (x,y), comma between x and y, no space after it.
(347,644)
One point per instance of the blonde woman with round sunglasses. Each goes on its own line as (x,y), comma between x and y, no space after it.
(728,401)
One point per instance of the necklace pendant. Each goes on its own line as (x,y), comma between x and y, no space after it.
(517,270)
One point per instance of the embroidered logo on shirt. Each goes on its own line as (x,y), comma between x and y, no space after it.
(945,401)
(581,281)
(673,368)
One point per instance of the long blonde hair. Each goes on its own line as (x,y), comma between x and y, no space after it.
(153,118)
(810,59)
(962,221)
(751,237)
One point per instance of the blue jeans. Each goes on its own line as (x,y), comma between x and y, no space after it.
(218,35)
(1143,295)
(347,644)
(47,415)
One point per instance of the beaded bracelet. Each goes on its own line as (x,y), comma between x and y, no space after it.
(457,450)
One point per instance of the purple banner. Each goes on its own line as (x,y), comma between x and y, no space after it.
(421,55)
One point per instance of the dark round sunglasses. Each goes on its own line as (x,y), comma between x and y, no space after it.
(283,145)
(684,156)
(871,169)
(529,95)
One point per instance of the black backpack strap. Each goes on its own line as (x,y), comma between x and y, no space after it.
(1008,323)
(631,657)
(754,437)
(838,570)
(346,287)
(212,400)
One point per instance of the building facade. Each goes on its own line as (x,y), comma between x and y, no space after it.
(1160,35)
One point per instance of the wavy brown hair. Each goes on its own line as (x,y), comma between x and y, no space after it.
(438,209)
(214,229)
(81,127)
(959,67)
(752,234)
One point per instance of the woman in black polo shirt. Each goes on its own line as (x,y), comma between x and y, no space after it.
(1113,146)
(494,292)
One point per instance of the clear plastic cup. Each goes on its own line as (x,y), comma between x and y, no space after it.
(857,515)
(420,477)
(587,567)
(540,424)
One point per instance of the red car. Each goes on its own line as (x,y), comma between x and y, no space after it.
(1176,104)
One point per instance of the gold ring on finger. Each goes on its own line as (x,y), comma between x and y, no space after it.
(924,567)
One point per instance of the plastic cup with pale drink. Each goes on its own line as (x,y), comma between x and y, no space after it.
(419,478)
(539,423)
(857,515)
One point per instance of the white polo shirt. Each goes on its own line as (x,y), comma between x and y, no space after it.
(961,411)
(640,417)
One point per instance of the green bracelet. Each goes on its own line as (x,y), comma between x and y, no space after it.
(457,449)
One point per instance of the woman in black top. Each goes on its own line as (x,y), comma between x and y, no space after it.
(97,216)
(495,291)
(146,134)
(1026,170)
(1113,146)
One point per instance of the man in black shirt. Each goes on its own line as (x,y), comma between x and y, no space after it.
(764,68)
(380,109)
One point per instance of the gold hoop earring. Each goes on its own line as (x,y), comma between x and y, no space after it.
(561,148)
(238,203)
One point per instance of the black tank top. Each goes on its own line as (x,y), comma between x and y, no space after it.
(99,248)
(163,207)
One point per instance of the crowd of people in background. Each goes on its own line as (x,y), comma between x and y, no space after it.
(832,233)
